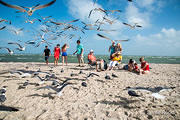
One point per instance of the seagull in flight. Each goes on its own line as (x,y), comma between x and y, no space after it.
(3,28)
(31,9)
(9,50)
(20,48)
(132,26)
(17,32)
(111,39)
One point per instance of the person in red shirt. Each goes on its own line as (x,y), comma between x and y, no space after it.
(144,66)
(57,52)
(93,61)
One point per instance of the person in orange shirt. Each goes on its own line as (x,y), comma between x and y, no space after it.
(93,61)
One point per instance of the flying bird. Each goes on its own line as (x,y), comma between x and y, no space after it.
(20,48)
(17,32)
(132,26)
(9,50)
(3,28)
(31,9)
(111,39)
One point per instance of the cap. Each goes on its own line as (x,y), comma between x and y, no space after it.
(91,50)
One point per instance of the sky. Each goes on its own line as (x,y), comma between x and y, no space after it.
(159,35)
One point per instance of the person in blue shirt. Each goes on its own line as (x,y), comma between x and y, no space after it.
(79,52)
(112,49)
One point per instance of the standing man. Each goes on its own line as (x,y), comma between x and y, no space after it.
(79,52)
(112,49)
(47,53)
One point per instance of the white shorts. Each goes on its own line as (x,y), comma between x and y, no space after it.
(113,63)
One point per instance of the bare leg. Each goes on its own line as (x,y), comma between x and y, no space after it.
(57,61)
(54,61)
(82,60)
(65,59)
(79,60)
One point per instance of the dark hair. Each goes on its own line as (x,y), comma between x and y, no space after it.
(140,59)
(131,61)
(46,46)
(64,46)
(78,41)
(135,63)
(58,44)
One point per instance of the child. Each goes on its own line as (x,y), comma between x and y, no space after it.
(64,53)
(136,68)
(144,66)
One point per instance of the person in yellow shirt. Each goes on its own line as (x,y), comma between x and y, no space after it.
(116,59)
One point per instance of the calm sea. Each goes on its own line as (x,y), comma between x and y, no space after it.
(73,59)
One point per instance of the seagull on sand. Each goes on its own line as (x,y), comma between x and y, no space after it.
(3,90)
(31,9)
(9,50)
(133,93)
(2,97)
(107,77)
(20,48)
(155,91)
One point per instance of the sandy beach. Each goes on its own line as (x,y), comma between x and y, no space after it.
(101,99)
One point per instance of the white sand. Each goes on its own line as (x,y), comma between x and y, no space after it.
(101,99)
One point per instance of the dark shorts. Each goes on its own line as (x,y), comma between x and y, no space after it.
(64,54)
(93,63)
(46,58)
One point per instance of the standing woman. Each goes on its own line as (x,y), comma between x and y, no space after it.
(118,48)
(64,53)
(57,52)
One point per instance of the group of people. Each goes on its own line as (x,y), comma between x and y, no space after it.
(63,49)
(101,65)
(132,66)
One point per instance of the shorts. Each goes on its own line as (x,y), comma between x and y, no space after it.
(113,63)
(93,63)
(64,53)
(46,58)
(79,56)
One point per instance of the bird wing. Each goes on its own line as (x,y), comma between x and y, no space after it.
(57,23)
(138,26)
(3,28)
(15,43)
(73,21)
(8,49)
(127,24)
(43,6)
(90,13)
(103,36)
(13,6)
(122,40)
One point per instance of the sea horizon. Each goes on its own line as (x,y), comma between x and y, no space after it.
(73,58)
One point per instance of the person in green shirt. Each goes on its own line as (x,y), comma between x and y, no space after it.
(79,52)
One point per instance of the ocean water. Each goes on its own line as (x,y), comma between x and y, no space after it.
(73,58)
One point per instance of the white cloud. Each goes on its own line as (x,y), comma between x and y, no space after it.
(133,15)
(167,42)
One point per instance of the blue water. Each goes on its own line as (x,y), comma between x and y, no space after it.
(73,59)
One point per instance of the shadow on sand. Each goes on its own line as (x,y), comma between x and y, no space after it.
(124,102)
